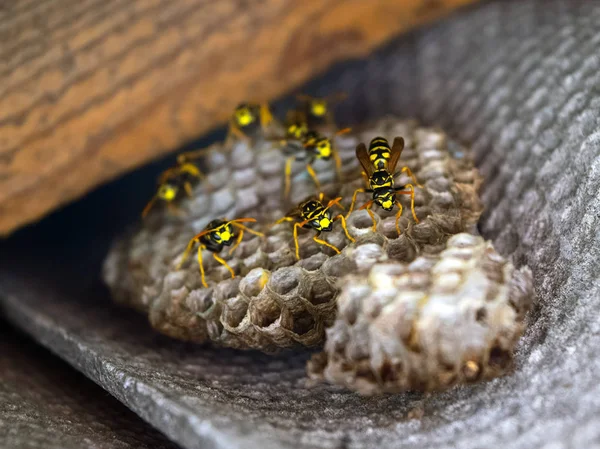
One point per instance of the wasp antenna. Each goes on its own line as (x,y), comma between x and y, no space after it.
(149,206)
(243,220)
(336,97)
(333,202)
(186,253)
(304,97)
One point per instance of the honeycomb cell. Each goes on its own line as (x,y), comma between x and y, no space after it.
(264,311)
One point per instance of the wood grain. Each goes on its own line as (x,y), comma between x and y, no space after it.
(92,88)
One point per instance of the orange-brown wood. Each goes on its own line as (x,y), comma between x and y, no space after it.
(92,88)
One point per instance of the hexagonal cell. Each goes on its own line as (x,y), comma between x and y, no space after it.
(303,322)
(312,263)
(254,282)
(286,281)
(264,311)
(360,223)
(233,311)
(321,291)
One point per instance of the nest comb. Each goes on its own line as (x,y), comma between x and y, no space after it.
(443,319)
(276,301)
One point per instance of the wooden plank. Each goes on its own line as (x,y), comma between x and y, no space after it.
(92,88)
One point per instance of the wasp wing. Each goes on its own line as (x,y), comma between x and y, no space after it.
(362,155)
(296,212)
(336,97)
(169,174)
(397,148)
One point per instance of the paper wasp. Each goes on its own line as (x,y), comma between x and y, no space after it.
(171,182)
(379,163)
(318,111)
(312,214)
(181,177)
(310,146)
(248,118)
(215,236)
(295,125)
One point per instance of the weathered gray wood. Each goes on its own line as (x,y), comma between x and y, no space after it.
(45,404)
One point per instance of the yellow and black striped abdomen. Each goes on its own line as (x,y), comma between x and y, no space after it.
(379,153)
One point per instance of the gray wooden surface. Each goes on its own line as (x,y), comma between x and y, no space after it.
(518,80)
(46,404)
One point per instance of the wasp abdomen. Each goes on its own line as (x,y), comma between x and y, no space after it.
(379,153)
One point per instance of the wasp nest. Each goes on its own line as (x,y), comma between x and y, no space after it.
(276,301)
(443,319)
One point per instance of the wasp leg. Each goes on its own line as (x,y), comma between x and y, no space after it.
(191,155)
(338,164)
(411,175)
(337,97)
(186,253)
(188,189)
(288,176)
(296,226)
(281,220)
(201,265)
(149,206)
(265,116)
(175,210)
(304,97)
(336,154)
(313,175)
(245,228)
(343,131)
(237,242)
(329,118)
(412,199)
(367,207)
(398,217)
(324,243)
(234,130)
(341,217)
(356,192)
(222,262)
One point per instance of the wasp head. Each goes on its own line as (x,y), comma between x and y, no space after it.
(385,198)
(322,223)
(244,115)
(167,191)
(318,108)
(323,148)
(297,130)
(223,235)
(320,146)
